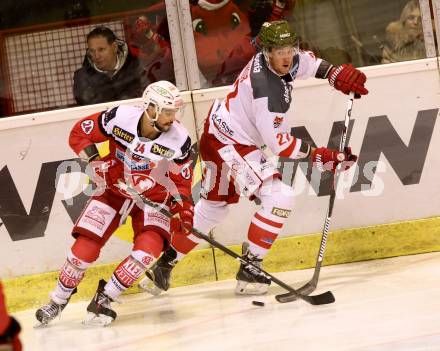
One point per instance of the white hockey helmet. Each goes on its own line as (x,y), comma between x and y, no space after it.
(162,95)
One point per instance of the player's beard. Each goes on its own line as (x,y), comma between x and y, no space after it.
(162,128)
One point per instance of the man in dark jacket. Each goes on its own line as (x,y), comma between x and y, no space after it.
(109,71)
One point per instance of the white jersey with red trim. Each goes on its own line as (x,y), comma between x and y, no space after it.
(121,124)
(254,112)
(158,165)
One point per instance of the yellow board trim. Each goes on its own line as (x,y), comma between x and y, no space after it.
(351,245)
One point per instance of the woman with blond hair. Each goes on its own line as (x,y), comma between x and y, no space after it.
(404,38)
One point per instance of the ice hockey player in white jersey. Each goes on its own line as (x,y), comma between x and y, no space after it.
(251,117)
(150,152)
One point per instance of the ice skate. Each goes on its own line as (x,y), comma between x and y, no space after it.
(48,312)
(249,281)
(158,276)
(99,311)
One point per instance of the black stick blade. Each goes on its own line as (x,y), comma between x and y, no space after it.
(321,299)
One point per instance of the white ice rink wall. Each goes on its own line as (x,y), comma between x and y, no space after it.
(394,130)
(37,207)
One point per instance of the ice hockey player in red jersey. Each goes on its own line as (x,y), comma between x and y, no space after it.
(150,152)
(9,328)
(251,117)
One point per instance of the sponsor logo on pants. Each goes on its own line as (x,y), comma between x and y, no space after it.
(97,217)
(280,212)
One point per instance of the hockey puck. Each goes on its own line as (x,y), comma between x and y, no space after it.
(258,303)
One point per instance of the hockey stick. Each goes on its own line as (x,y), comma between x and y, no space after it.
(213,257)
(312,284)
(321,299)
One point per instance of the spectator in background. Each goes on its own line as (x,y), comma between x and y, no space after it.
(109,72)
(404,38)
(9,328)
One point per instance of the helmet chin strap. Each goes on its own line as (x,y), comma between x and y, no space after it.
(153,122)
(155,127)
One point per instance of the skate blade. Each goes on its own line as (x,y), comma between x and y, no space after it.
(148,286)
(44,322)
(245,288)
(92,320)
(40,325)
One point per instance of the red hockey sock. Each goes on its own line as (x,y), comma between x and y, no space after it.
(84,251)
(124,276)
(262,233)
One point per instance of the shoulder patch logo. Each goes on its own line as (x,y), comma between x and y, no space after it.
(87,126)
(162,151)
(277,121)
(122,134)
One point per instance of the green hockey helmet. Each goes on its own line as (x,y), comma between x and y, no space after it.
(276,34)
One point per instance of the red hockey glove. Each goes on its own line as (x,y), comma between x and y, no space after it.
(182,220)
(328,159)
(9,339)
(346,78)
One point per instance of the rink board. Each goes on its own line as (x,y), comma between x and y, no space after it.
(394,125)
(298,252)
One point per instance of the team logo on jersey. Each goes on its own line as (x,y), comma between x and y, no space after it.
(122,134)
(280,212)
(277,121)
(87,126)
(162,151)
(142,182)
